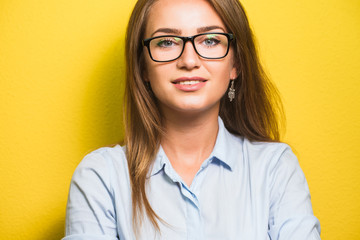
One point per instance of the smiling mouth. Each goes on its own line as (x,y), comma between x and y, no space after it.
(189,82)
(186,81)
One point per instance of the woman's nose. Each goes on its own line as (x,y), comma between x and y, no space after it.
(189,59)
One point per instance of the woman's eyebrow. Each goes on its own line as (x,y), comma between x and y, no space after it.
(209,28)
(178,32)
(167,30)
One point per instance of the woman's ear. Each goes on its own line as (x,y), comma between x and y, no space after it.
(236,69)
(234,73)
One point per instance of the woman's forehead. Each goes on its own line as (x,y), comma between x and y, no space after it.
(187,16)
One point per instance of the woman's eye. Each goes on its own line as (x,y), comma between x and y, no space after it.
(166,43)
(211,42)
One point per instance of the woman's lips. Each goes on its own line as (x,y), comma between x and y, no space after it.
(189,84)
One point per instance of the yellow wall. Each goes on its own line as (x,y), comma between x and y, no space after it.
(61,71)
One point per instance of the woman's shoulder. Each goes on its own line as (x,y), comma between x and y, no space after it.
(258,147)
(111,152)
(104,163)
(268,154)
(100,179)
(114,155)
(273,163)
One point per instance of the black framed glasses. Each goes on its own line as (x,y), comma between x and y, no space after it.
(166,48)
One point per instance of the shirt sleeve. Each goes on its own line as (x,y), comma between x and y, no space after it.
(291,215)
(90,212)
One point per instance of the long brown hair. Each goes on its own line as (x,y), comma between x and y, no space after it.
(253,114)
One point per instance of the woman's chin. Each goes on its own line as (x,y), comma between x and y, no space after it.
(191,109)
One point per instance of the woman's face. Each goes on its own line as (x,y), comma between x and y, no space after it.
(190,84)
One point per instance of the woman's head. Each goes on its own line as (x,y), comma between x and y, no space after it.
(148,17)
(188,58)
(251,84)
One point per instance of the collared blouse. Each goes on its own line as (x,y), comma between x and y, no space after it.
(243,190)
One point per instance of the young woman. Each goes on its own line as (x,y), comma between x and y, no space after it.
(202,158)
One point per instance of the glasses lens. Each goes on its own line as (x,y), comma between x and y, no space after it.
(212,45)
(165,48)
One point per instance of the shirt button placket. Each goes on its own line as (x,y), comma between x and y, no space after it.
(193,219)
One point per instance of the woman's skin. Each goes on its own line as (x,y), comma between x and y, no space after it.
(190,113)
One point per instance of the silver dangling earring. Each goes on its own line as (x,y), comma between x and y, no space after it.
(231,93)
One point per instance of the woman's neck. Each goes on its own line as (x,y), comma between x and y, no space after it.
(188,141)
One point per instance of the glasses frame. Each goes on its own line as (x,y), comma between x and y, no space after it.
(230,37)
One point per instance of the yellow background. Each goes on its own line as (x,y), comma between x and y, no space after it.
(61,79)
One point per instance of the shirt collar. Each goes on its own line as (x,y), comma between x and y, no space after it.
(226,151)
(160,161)
(226,148)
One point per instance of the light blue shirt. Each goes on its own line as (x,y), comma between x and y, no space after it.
(244,190)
